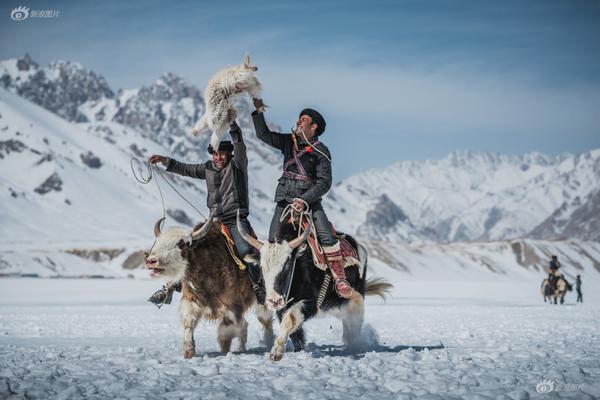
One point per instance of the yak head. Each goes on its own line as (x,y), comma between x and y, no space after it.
(276,260)
(166,258)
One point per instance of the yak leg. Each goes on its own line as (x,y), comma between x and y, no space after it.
(265,317)
(298,339)
(291,321)
(226,332)
(352,319)
(242,334)
(190,313)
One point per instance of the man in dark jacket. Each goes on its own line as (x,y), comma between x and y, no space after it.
(226,176)
(305,179)
(578,287)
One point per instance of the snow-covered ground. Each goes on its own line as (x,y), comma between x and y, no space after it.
(73,338)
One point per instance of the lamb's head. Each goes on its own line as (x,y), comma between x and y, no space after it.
(166,259)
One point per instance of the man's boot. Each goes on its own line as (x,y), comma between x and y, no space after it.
(336,263)
(258,285)
(165,295)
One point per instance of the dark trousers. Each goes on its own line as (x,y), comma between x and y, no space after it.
(579,296)
(244,248)
(322,224)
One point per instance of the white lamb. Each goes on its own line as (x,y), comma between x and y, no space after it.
(222,89)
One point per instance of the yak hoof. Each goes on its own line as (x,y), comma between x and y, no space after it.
(189,353)
(276,356)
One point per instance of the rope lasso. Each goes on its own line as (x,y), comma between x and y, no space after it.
(310,144)
(145,180)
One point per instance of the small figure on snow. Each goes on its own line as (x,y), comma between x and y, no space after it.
(578,287)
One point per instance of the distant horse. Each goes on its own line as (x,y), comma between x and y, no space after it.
(554,290)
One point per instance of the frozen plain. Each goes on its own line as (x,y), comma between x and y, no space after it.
(100,339)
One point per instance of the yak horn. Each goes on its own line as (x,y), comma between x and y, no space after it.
(299,240)
(203,230)
(157,227)
(253,242)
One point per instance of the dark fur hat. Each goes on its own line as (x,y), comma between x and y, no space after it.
(316,117)
(225,145)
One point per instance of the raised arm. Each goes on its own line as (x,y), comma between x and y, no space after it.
(240,158)
(274,139)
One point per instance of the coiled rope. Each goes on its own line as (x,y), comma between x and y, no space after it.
(146,179)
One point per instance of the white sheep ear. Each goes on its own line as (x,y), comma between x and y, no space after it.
(248,64)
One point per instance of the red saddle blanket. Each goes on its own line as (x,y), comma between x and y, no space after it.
(349,253)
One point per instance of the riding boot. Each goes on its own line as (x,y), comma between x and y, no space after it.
(336,263)
(258,285)
(165,295)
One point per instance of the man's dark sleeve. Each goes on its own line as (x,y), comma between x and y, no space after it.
(263,132)
(240,158)
(191,170)
(324,177)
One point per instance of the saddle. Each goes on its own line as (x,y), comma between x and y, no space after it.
(348,248)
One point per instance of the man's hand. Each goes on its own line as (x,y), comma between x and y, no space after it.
(299,205)
(259,105)
(155,158)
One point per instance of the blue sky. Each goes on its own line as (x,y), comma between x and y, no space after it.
(396,80)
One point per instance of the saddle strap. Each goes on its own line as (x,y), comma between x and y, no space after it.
(231,247)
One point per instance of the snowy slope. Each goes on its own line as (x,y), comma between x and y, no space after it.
(66,186)
(72,207)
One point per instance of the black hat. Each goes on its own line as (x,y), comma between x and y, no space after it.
(316,117)
(225,145)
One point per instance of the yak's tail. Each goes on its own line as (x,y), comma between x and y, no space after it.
(378,287)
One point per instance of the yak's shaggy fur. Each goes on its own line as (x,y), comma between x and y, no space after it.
(222,89)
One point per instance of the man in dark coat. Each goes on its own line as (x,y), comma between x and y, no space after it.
(306,177)
(226,176)
(578,287)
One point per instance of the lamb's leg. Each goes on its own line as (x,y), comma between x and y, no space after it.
(352,319)
(217,135)
(265,317)
(292,320)
(190,313)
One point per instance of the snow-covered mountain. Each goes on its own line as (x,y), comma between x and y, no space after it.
(474,195)
(71,206)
